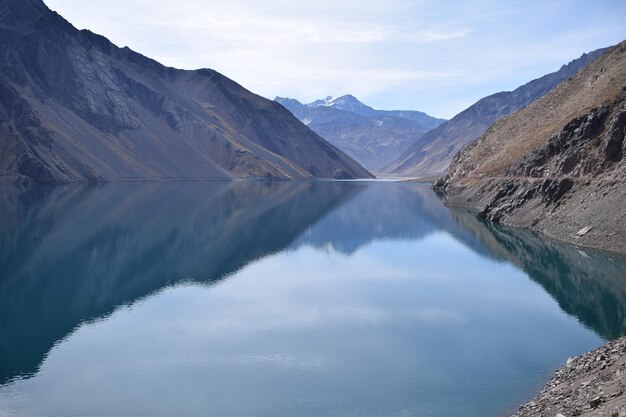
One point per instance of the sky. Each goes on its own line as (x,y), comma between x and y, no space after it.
(434,56)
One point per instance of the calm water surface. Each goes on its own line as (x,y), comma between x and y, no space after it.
(284,299)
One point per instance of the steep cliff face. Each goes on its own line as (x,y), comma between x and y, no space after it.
(372,137)
(557,166)
(433,152)
(73,106)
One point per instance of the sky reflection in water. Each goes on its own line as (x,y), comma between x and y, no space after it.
(295,299)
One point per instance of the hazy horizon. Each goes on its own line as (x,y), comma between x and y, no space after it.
(398,55)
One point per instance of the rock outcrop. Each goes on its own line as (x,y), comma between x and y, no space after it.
(434,151)
(75,107)
(557,166)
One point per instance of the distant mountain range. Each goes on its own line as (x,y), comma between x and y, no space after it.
(75,107)
(432,153)
(374,138)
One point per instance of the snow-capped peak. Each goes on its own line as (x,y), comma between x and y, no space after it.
(348,99)
(347,103)
(325,102)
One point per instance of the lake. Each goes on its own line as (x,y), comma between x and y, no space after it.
(254,298)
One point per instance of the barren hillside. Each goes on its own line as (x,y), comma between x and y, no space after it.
(75,107)
(556,166)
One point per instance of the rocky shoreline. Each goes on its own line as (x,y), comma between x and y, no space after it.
(590,214)
(590,385)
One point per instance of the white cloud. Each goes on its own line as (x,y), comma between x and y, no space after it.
(426,55)
(435,35)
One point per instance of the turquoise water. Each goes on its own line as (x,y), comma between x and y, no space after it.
(284,299)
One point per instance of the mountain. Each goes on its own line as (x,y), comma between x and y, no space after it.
(432,154)
(372,137)
(557,166)
(75,107)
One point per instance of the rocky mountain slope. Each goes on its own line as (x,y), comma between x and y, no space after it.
(432,153)
(75,107)
(557,166)
(372,137)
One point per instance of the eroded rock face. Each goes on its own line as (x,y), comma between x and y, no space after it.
(588,147)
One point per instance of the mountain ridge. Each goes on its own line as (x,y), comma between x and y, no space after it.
(75,107)
(432,153)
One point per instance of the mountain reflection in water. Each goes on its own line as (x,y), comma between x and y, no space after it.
(73,255)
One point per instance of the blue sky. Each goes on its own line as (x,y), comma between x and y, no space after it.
(434,56)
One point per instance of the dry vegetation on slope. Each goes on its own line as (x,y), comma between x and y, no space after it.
(510,139)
